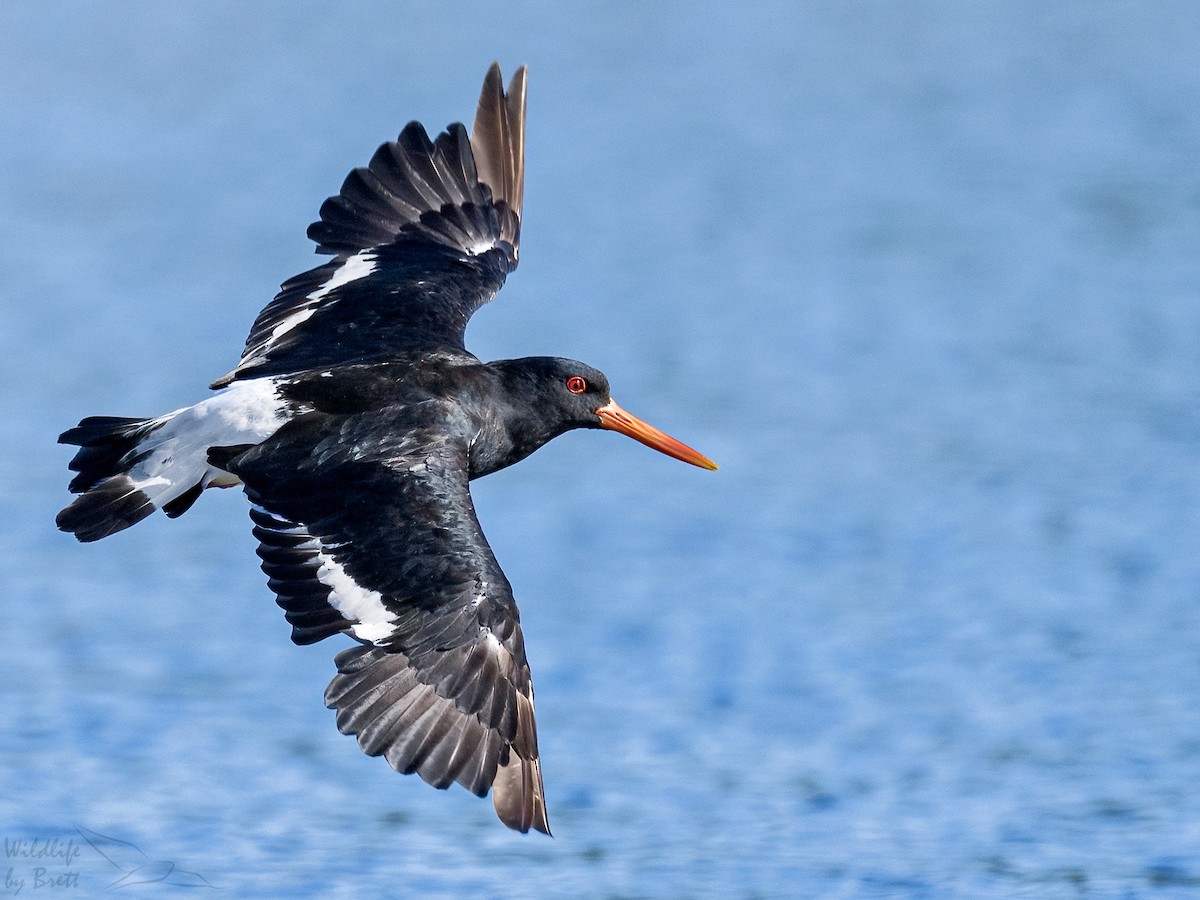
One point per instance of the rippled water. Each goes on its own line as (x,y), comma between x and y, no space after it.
(924,281)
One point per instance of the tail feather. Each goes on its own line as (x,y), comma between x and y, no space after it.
(104,444)
(112,506)
(110,501)
(127,468)
(96,430)
(181,504)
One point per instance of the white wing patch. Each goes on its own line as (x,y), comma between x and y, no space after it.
(359,604)
(360,265)
(481,246)
(364,608)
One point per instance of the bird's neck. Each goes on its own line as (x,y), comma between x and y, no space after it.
(516,423)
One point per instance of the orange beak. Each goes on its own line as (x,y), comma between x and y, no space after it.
(612,416)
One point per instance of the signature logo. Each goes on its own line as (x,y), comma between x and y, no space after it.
(50,865)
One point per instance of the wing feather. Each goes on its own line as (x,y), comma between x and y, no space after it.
(375,535)
(422,237)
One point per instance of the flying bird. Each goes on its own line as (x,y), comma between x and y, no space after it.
(354,422)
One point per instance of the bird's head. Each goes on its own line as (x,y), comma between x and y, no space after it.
(566,394)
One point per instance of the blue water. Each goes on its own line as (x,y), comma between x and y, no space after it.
(924,279)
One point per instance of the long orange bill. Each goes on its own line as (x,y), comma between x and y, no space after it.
(612,416)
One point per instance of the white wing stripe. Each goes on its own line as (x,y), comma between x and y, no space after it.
(356,603)
(364,607)
(360,265)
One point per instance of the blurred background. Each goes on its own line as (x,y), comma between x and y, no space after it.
(923,278)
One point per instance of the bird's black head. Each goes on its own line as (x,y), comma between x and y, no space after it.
(550,395)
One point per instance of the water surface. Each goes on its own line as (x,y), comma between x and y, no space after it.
(923,280)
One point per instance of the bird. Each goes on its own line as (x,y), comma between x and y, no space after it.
(354,422)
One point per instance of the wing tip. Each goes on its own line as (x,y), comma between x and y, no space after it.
(517,790)
(498,136)
(371,681)
(518,795)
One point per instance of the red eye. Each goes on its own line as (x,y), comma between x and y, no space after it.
(576,384)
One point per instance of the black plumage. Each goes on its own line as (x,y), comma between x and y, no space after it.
(355,420)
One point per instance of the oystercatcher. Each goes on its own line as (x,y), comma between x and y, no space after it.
(354,421)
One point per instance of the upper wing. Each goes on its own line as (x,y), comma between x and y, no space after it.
(421,237)
(366,525)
